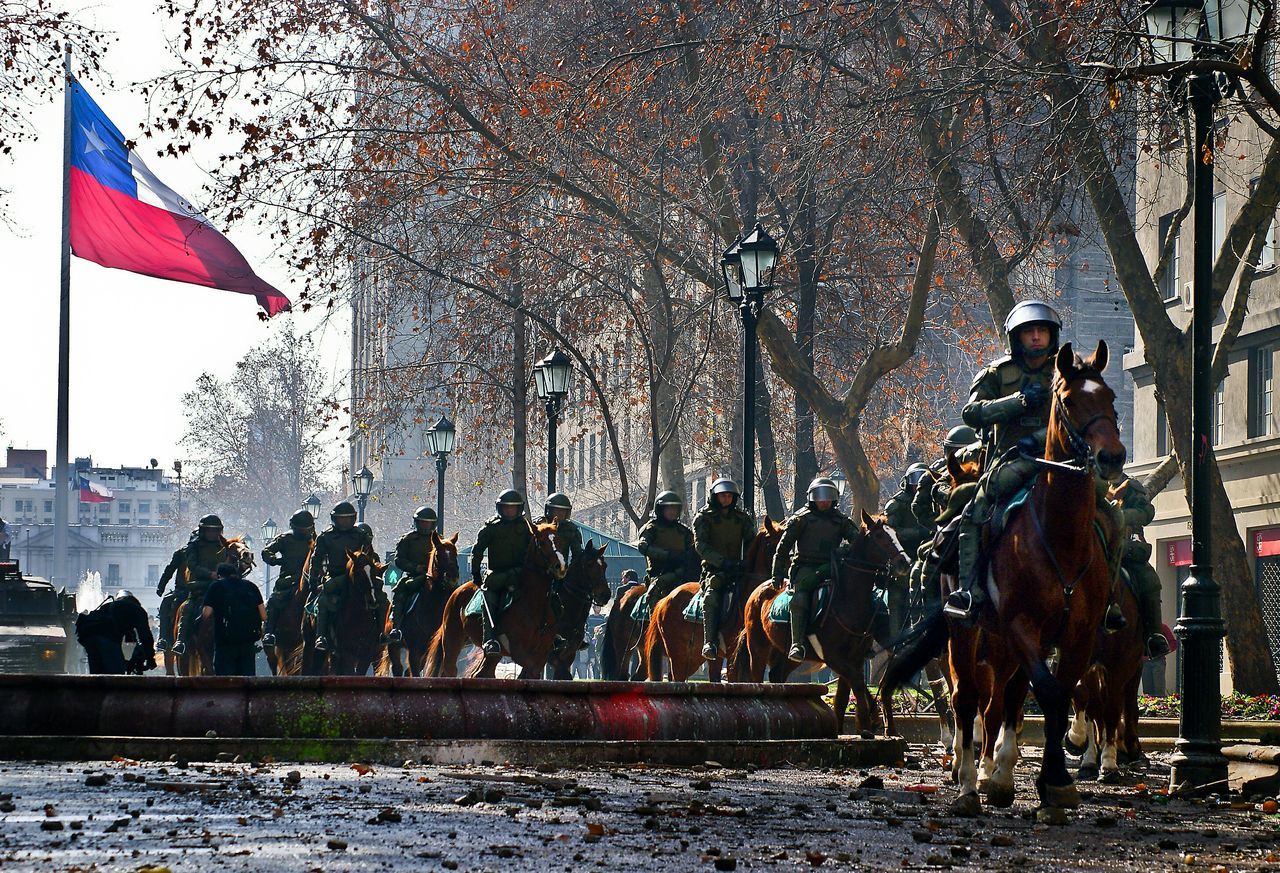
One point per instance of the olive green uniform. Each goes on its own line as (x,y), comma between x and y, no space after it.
(170,602)
(667,547)
(1138,512)
(721,536)
(201,559)
(570,535)
(812,535)
(930,504)
(289,553)
(413,554)
(328,572)
(997,411)
(506,543)
(911,533)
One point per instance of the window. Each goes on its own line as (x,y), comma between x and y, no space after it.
(144,507)
(701,496)
(123,507)
(1219,414)
(560,459)
(113,574)
(1219,223)
(48,507)
(582,460)
(1169,282)
(1163,436)
(1261,385)
(591,464)
(163,508)
(153,574)
(1267,254)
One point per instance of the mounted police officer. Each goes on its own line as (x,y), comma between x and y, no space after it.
(722,531)
(556,511)
(505,539)
(1135,503)
(667,546)
(813,533)
(289,552)
(170,604)
(379,589)
(203,555)
(328,572)
(413,554)
(910,532)
(933,496)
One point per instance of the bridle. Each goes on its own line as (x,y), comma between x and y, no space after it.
(1084,460)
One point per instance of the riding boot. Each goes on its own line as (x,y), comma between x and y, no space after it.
(712,606)
(1147,588)
(399,603)
(965,603)
(488,620)
(324,627)
(168,608)
(269,626)
(801,601)
(186,622)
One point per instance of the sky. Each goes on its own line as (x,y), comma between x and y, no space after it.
(137,343)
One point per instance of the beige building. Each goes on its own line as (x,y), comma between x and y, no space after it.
(1246,430)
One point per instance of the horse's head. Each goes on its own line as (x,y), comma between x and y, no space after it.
(364,569)
(1082,422)
(546,551)
(963,472)
(443,565)
(880,545)
(760,552)
(239,552)
(592,568)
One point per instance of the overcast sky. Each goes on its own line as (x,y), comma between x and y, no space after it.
(137,343)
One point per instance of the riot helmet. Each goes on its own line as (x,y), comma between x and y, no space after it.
(343,516)
(364,528)
(424,519)
(211,528)
(723,486)
(959,436)
(302,520)
(510,497)
(823,488)
(668,500)
(914,474)
(1026,314)
(557,507)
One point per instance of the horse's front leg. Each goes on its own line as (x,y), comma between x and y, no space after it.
(1000,791)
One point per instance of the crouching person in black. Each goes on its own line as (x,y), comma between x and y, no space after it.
(103,631)
(236,606)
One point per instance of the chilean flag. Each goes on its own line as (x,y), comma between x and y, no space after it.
(122,216)
(92,492)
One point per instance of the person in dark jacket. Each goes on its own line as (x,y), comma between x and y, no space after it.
(102,631)
(236,606)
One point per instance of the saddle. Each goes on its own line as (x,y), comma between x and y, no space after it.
(475,606)
(696,610)
(780,609)
(641,611)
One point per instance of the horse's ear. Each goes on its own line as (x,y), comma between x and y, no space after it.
(591,544)
(1066,361)
(867,519)
(771,526)
(1098,360)
(453,539)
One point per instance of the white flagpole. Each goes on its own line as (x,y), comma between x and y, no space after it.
(61,479)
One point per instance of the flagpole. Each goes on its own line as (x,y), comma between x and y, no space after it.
(61,481)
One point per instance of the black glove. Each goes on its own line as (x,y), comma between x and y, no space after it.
(1029,445)
(160,591)
(1034,394)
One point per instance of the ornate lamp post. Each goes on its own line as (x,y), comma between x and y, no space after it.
(269,531)
(312,505)
(1183,32)
(747,271)
(440,443)
(552,375)
(842,482)
(363,483)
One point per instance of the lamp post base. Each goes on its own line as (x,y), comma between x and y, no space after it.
(1197,768)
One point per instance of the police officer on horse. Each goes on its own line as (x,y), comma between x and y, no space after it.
(813,533)
(203,555)
(722,531)
(667,546)
(413,553)
(289,552)
(328,573)
(505,539)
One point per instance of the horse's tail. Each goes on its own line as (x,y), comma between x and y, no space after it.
(383,665)
(913,650)
(652,647)
(435,651)
(609,661)
(735,657)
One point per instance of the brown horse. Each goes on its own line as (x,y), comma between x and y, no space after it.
(357,625)
(674,639)
(198,660)
(526,630)
(621,637)
(425,613)
(284,658)
(843,640)
(583,585)
(1049,585)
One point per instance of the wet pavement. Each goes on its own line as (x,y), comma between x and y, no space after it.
(148,816)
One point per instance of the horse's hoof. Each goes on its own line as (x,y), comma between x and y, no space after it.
(1071,748)
(1060,796)
(1140,762)
(1087,773)
(966,806)
(1109,777)
(867,735)
(1000,796)
(984,782)
(1052,815)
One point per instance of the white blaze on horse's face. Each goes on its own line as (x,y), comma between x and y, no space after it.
(893,535)
(1091,386)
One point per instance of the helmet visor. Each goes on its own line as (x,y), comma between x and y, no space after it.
(823,492)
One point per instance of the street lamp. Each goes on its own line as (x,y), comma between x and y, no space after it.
(440,443)
(1184,31)
(552,375)
(363,482)
(747,271)
(842,482)
(269,531)
(312,505)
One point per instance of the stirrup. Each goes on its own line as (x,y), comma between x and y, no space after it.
(1157,646)
(710,652)
(323,644)
(492,647)
(395,635)
(268,641)
(961,606)
(163,645)
(1114,619)
(179,648)
(797,653)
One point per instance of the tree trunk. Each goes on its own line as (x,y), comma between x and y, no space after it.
(519,385)
(767,472)
(664,412)
(806,459)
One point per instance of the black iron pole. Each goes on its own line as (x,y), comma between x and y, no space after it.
(748,308)
(1197,764)
(553,412)
(442,463)
(360,499)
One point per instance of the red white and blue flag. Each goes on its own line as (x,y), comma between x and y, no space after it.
(122,216)
(92,492)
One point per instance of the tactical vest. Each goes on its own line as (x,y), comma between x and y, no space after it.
(722,533)
(819,533)
(413,552)
(672,538)
(205,556)
(506,544)
(1010,377)
(332,547)
(291,554)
